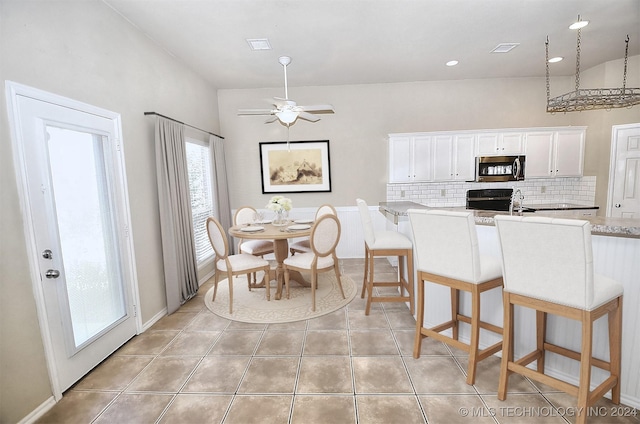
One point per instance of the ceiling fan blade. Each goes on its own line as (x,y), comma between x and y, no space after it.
(317,108)
(271,119)
(308,117)
(255,112)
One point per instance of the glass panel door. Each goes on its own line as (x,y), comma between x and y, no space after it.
(94,298)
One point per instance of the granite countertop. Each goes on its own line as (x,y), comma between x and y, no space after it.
(558,206)
(613,227)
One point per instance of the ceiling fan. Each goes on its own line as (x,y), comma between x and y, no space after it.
(287,110)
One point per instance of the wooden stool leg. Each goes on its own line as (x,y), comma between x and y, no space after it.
(370,282)
(475,335)
(507,346)
(541,335)
(366,271)
(455,302)
(417,344)
(410,282)
(615,348)
(401,274)
(585,366)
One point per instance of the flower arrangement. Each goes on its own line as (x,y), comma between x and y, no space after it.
(279,204)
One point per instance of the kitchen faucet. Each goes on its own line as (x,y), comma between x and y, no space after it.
(517,194)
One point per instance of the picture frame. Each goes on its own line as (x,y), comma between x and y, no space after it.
(295,166)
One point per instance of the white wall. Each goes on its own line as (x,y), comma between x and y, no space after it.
(85,51)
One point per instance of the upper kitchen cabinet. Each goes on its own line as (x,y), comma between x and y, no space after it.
(454,158)
(410,158)
(556,153)
(500,144)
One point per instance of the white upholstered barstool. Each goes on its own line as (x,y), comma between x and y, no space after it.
(548,267)
(385,243)
(446,245)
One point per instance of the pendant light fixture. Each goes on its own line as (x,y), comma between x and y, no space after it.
(592,98)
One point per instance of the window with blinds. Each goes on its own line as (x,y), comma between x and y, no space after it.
(200,186)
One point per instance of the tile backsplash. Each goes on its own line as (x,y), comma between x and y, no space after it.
(578,190)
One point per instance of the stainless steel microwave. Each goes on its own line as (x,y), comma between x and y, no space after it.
(499,168)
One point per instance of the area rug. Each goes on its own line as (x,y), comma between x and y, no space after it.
(253,307)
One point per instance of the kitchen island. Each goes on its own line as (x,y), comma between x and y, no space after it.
(616,254)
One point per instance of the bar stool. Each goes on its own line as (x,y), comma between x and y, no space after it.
(548,267)
(446,245)
(385,243)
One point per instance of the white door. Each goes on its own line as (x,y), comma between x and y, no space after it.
(624,175)
(71,168)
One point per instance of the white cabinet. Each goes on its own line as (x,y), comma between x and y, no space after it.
(453,157)
(555,153)
(539,154)
(569,153)
(410,159)
(499,144)
(450,155)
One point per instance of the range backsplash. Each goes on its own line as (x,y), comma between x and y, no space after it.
(579,190)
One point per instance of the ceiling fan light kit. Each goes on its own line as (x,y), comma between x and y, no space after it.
(287,111)
(592,98)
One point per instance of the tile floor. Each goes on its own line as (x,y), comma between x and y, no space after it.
(345,367)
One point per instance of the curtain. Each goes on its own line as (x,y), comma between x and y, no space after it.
(221,185)
(178,251)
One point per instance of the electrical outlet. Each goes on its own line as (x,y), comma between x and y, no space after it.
(443,192)
(401,193)
(543,189)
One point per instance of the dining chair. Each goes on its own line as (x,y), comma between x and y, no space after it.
(325,235)
(303,246)
(447,254)
(241,263)
(384,244)
(548,267)
(245,215)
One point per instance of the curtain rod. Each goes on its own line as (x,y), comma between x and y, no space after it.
(180,122)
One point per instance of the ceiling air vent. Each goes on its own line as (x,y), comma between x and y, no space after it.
(259,43)
(504,47)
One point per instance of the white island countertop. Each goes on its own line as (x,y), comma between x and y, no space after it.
(612,227)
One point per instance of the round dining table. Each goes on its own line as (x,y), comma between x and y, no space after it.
(280,236)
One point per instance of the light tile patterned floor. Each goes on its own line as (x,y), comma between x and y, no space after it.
(194,367)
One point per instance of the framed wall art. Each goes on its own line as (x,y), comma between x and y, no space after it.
(295,167)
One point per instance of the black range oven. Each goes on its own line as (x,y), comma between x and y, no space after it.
(493,199)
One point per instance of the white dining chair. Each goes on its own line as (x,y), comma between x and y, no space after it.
(548,267)
(303,246)
(325,235)
(384,244)
(447,253)
(245,215)
(241,263)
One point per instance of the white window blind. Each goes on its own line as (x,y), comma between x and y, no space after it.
(200,185)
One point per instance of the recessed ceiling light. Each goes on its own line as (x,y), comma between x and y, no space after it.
(579,24)
(556,59)
(452,63)
(504,47)
(259,43)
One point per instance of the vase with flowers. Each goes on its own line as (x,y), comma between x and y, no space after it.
(281,206)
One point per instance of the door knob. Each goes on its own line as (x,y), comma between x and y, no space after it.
(52,273)
(617,205)
(47,254)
